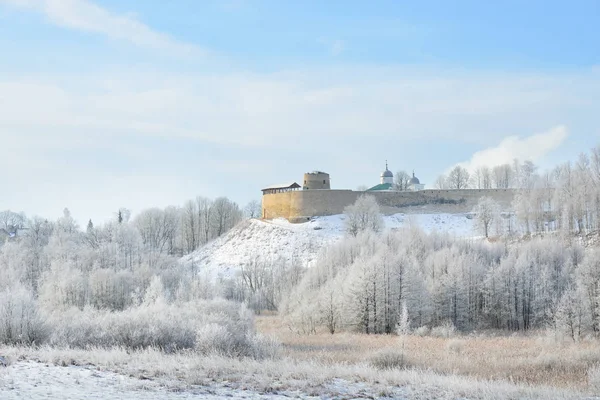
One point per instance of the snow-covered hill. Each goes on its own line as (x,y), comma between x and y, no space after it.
(279,239)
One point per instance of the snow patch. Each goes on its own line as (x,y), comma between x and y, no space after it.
(279,240)
(36,381)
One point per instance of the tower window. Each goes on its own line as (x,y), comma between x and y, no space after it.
(323,181)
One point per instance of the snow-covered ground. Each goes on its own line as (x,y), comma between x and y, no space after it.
(30,380)
(278,239)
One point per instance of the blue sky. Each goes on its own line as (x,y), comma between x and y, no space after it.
(123,103)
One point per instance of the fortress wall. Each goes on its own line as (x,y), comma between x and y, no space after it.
(438,201)
(299,206)
(276,205)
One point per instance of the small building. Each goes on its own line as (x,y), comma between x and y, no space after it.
(285,187)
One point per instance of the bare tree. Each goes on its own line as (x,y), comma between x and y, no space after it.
(253,209)
(441,182)
(458,178)
(158,228)
(487,177)
(226,215)
(487,212)
(502,175)
(189,224)
(482,178)
(401,181)
(205,210)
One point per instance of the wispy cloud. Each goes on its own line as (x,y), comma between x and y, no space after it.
(335,46)
(532,148)
(289,121)
(266,110)
(85,16)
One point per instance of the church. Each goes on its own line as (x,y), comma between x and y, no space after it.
(387,183)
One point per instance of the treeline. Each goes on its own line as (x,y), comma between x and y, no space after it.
(564,199)
(505,176)
(108,265)
(364,283)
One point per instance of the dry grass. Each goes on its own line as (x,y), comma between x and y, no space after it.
(288,377)
(533,360)
(349,366)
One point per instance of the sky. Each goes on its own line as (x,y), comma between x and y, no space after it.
(145,103)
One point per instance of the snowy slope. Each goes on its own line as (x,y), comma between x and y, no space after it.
(279,239)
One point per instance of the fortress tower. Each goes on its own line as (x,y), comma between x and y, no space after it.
(316,180)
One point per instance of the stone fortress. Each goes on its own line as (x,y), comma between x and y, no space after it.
(299,203)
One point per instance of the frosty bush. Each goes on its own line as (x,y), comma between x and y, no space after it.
(164,327)
(209,327)
(20,322)
(446,330)
(422,331)
(263,347)
(388,359)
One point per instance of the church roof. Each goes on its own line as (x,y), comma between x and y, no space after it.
(381,186)
(414,180)
(288,185)
(387,173)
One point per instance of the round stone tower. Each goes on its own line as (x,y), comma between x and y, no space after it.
(316,180)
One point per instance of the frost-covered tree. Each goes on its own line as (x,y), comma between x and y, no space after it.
(11,221)
(363,215)
(487,212)
(570,316)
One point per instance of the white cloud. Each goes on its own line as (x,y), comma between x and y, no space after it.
(86,16)
(532,148)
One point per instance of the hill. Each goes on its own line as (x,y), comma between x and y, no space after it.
(279,239)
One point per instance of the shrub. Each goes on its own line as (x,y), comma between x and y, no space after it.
(446,330)
(209,327)
(388,359)
(20,322)
(264,347)
(422,331)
